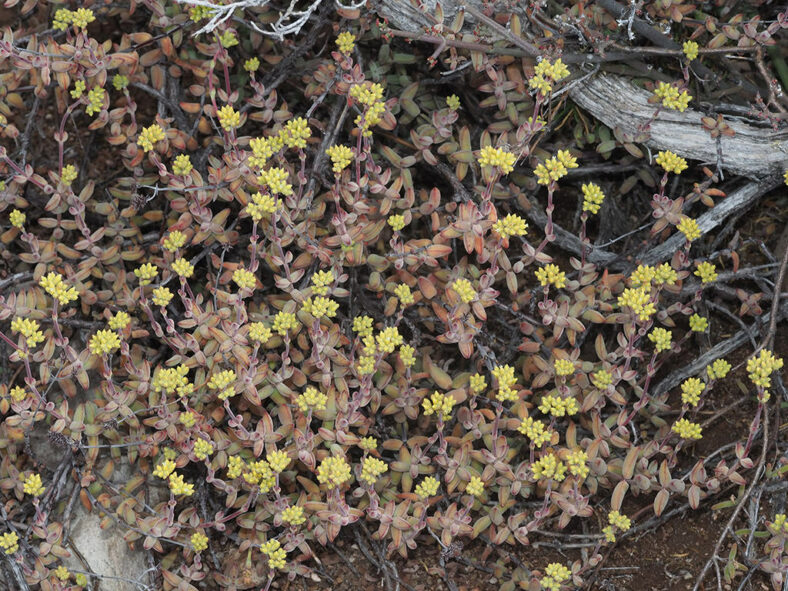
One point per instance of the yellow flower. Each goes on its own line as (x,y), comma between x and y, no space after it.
(661,338)
(540,84)
(671,162)
(407,355)
(30,329)
(687,429)
(63,18)
(162,296)
(439,404)
(618,520)
(275,179)
(82,17)
(592,197)
(706,271)
(54,285)
(535,431)
(564,367)
(362,325)
(235,465)
(275,553)
(761,367)
(188,419)
(670,96)
(278,460)
(262,205)
(402,291)
(18,394)
(146,273)
(104,342)
(183,268)
(296,133)
(119,321)
(602,379)
(690,49)
(164,469)
(555,574)
(551,275)
(199,541)
(69,174)
(293,515)
(691,390)
(639,301)
(173,380)
(202,448)
(642,276)
(427,488)
(245,279)
(475,487)
(334,471)
(346,41)
(453,102)
(557,406)
(698,323)
(311,399)
(259,332)
(174,241)
(17,219)
(252,64)
(179,487)
(321,282)
(150,136)
(341,157)
(489,156)
(397,222)
(95,100)
(224,381)
(555,71)
(62,573)
(283,322)
(371,469)
(119,81)
(79,88)
(665,275)
(228,39)
(33,485)
(549,467)
(478,383)
(511,225)
(689,228)
(464,289)
(320,307)
(368,443)
(9,542)
(182,165)
(718,370)
(389,339)
(229,118)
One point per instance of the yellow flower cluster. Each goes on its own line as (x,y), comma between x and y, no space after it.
(665,275)
(199,541)
(475,487)
(403,292)
(183,268)
(33,486)
(407,355)
(235,466)
(478,383)
(278,460)
(464,289)
(293,515)
(162,296)
(252,64)
(334,471)
(602,379)
(225,382)
(718,369)
(283,322)
(592,198)
(119,321)
(371,469)
(555,575)
(146,273)
(551,275)
(661,338)
(244,278)
(173,380)
(761,367)
(555,168)
(265,147)
(321,282)
(202,449)
(262,205)
(439,404)
(558,407)
(182,165)
(511,225)
(670,96)
(549,467)
(577,463)
(9,542)
(362,325)
(54,285)
(277,557)
(120,82)
(275,178)
(639,301)
(62,573)
(164,469)
(687,429)
(397,222)
(79,88)
(18,394)
(780,524)
(564,367)
(706,271)
(95,100)
(698,323)
(506,382)
(320,307)
(427,488)
(368,443)
(341,157)
(187,418)
(228,39)
(296,132)
(104,342)
(17,219)
(229,118)
(81,18)
(691,389)
(643,275)
(346,41)
(311,399)
(259,332)
(617,521)
(179,487)
(453,102)
(535,431)
(174,241)
(370,95)
(671,162)
(690,49)
(261,474)
(489,156)
(69,174)
(689,228)
(149,136)
(389,339)
(546,73)
(30,329)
